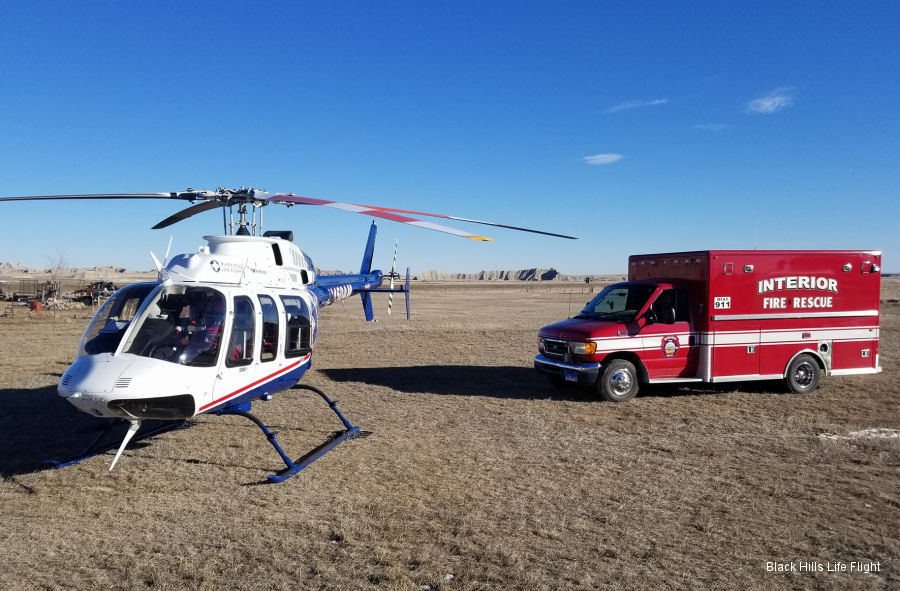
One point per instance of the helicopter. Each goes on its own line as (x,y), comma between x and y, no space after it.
(226,326)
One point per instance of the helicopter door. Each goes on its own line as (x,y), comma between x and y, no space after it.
(237,370)
(269,344)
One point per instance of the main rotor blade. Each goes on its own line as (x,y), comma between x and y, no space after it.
(450,217)
(221,197)
(186,213)
(96,196)
(374,212)
(390,213)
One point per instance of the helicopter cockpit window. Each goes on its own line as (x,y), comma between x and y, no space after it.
(240,346)
(106,329)
(298,340)
(269,345)
(182,325)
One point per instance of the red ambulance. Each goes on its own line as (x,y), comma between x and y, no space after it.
(722,316)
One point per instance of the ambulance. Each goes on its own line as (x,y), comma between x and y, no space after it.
(722,316)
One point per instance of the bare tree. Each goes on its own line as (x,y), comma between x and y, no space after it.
(57,270)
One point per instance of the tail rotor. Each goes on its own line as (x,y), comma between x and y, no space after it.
(393,275)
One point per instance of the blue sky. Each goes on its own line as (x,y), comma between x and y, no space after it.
(638,127)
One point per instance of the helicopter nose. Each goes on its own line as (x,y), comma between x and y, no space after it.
(85,385)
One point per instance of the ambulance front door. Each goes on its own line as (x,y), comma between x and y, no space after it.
(669,340)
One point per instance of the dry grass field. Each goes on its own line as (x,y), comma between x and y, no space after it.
(476,474)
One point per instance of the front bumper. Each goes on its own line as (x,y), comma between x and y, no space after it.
(580,373)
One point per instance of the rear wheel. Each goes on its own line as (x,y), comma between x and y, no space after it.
(618,381)
(803,375)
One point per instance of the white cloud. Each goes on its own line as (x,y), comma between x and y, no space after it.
(627,105)
(777,100)
(602,159)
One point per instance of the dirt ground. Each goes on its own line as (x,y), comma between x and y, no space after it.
(476,473)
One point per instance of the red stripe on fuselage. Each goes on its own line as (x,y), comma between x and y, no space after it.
(254,384)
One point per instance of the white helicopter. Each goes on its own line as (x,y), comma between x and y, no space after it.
(223,327)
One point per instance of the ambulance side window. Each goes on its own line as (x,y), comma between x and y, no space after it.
(240,345)
(672,306)
(682,310)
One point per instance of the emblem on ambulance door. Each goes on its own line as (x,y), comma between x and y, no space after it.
(670,346)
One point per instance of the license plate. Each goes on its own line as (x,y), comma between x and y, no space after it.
(571,376)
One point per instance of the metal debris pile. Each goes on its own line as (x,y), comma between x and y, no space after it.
(60,304)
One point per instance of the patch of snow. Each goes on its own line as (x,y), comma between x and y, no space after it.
(870,433)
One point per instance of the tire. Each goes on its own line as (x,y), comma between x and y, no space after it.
(803,375)
(618,381)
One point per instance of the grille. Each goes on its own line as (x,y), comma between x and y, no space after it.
(66,379)
(123,383)
(555,349)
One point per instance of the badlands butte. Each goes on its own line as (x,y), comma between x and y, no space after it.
(17,277)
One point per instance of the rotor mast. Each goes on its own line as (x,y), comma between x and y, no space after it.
(243,227)
(247,223)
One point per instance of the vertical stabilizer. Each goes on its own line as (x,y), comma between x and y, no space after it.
(367,268)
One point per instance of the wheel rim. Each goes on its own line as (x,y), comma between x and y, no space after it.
(620,382)
(803,375)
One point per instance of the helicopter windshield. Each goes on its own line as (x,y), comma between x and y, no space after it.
(619,302)
(106,329)
(180,324)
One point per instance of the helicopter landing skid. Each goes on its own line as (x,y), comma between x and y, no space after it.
(292,466)
(94,449)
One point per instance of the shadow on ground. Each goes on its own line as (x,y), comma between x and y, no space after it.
(459,380)
(509,382)
(37,425)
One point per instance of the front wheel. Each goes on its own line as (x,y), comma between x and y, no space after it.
(803,375)
(618,381)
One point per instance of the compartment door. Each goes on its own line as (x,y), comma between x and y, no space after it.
(735,352)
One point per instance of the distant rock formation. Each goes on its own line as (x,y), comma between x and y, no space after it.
(8,268)
(108,269)
(550,274)
(534,274)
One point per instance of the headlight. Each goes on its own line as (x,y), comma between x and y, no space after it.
(584,348)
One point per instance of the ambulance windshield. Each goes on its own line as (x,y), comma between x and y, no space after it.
(619,303)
